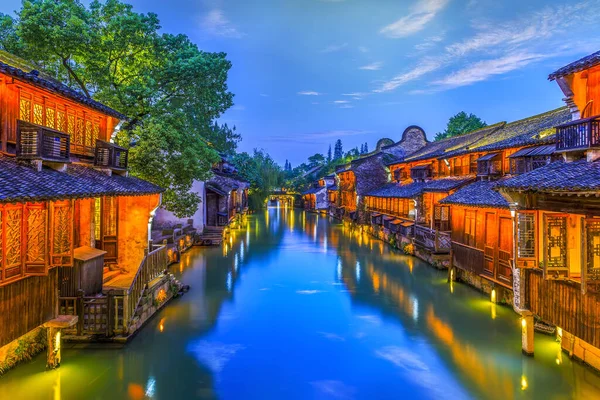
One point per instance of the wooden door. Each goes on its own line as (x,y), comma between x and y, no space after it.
(505,248)
(211,209)
(109,233)
(491,242)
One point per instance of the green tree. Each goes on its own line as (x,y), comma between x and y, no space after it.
(459,124)
(316,159)
(170,90)
(329,154)
(263,174)
(338,150)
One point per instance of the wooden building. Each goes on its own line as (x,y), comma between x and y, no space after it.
(369,172)
(71,219)
(557,223)
(441,198)
(316,198)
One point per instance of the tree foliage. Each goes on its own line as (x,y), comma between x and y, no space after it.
(459,124)
(263,174)
(171,91)
(338,150)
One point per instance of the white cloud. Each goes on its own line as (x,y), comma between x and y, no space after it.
(238,107)
(334,389)
(430,42)
(482,70)
(309,93)
(341,102)
(363,49)
(216,23)
(355,94)
(263,95)
(334,48)
(499,48)
(421,14)
(376,66)
(426,66)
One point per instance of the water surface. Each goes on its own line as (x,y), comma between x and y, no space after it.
(297,306)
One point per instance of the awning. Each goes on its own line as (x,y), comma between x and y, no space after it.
(535,151)
(407,223)
(387,217)
(397,222)
(488,157)
(419,167)
(216,190)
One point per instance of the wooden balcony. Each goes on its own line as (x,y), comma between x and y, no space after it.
(420,172)
(432,240)
(578,135)
(35,142)
(490,165)
(109,155)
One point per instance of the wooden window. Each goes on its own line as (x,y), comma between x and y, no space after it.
(593,251)
(25,107)
(526,235)
(470,227)
(50,115)
(38,114)
(88,133)
(555,246)
(80,131)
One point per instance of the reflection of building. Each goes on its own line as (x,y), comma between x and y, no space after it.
(71,219)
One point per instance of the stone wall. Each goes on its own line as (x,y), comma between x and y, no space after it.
(165,219)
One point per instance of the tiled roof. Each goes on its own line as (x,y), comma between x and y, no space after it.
(545,150)
(579,65)
(415,189)
(314,190)
(477,194)
(20,182)
(441,147)
(525,132)
(33,77)
(559,176)
(400,191)
(446,184)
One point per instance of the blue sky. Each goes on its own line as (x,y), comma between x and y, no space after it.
(306,72)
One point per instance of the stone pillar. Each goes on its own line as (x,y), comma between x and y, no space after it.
(54,343)
(527,332)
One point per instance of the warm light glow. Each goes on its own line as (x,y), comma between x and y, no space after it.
(161,296)
(523,382)
(523,323)
(493,296)
(161,325)
(57,342)
(559,333)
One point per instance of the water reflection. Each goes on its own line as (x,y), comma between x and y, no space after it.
(297,306)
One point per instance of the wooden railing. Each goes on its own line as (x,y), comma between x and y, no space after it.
(109,155)
(151,267)
(580,134)
(432,239)
(37,142)
(562,303)
(467,258)
(387,212)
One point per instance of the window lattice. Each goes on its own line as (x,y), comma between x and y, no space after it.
(13,236)
(88,133)
(38,114)
(36,235)
(593,249)
(80,131)
(60,121)
(96,134)
(50,117)
(526,235)
(71,126)
(97,217)
(62,230)
(556,252)
(25,110)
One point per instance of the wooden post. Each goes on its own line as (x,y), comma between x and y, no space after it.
(53,354)
(527,333)
(80,312)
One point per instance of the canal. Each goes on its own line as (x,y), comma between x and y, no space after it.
(297,306)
